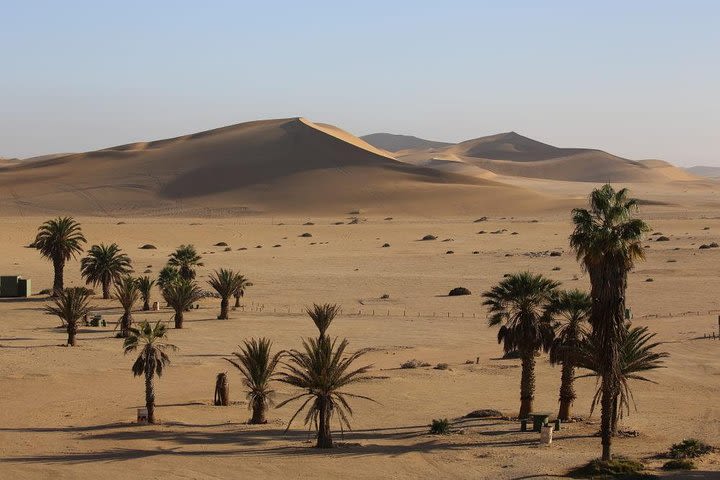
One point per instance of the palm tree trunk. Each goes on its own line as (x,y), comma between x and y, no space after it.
(72,332)
(125,324)
(224,305)
(150,394)
(606,404)
(609,282)
(324,438)
(615,417)
(106,289)
(146,304)
(567,390)
(258,416)
(179,318)
(58,267)
(527,384)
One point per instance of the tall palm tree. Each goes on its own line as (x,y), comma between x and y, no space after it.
(607,240)
(104,265)
(185,259)
(638,354)
(145,285)
(257,366)
(240,292)
(71,304)
(59,240)
(152,359)
(570,310)
(321,370)
(167,276)
(225,283)
(323,315)
(127,293)
(180,296)
(519,302)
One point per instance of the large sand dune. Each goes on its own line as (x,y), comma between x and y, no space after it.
(287,165)
(512,154)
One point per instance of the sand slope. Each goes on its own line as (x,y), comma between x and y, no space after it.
(704,171)
(512,154)
(396,143)
(285,165)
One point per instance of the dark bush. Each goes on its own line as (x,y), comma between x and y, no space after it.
(679,464)
(689,448)
(457,291)
(484,413)
(617,467)
(440,427)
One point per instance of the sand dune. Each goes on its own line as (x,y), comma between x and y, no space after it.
(286,165)
(704,171)
(512,154)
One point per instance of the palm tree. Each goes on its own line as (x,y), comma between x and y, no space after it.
(59,240)
(225,283)
(105,264)
(145,285)
(323,315)
(257,366)
(570,310)
(71,304)
(167,276)
(240,292)
(637,355)
(152,359)
(519,302)
(185,258)
(321,370)
(180,296)
(127,293)
(608,241)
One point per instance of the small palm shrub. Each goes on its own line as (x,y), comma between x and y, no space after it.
(70,305)
(440,426)
(185,259)
(257,366)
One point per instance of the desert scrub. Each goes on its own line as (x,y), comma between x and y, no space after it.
(679,464)
(440,426)
(689,448)
(414,363)
(618,467)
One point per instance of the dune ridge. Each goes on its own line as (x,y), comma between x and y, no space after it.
(281,165)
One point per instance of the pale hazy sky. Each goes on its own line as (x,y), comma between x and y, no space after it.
(639,78)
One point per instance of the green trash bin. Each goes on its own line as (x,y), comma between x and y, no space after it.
(539,420)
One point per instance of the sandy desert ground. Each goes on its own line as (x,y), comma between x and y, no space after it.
(68,412)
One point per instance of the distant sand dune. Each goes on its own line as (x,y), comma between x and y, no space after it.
(512,154)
